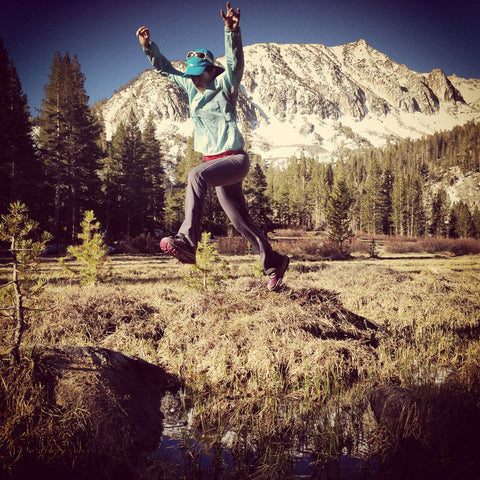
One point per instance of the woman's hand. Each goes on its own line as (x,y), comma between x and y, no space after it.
(232,18)
(143,35)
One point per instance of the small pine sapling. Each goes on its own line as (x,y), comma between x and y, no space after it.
(210,270)
(17,229)
(92,254)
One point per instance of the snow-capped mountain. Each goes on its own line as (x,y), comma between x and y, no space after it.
(312,99)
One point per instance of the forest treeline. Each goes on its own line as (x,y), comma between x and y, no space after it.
(61,165)
(396,190)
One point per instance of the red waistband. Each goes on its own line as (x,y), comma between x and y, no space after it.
(207,158)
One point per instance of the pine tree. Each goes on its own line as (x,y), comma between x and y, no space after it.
(91,254)
(128,154)
(373,201)
(277,192)
(461,221)
(20,170)
(338,212)
(209,271)
(17,228)
(416,166)
(386,205)
(258,203)
(110,176)
(476,221)
(69,136)
(301,195)
(399,213)
(155,177)
(84,150)
(439,214)
(174,210)
(414,206)
(319,190)
(51,137)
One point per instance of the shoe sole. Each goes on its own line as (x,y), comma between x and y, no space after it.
(286,263)
(168,246)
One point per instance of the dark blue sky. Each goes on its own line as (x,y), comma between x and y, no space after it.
(421,34)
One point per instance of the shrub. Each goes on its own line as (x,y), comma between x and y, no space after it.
(432,245)
(232,246)
(402,245)
(466,246)
(359,246)
(311,247)
(290,232)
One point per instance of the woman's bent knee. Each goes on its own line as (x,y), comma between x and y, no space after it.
(195,176)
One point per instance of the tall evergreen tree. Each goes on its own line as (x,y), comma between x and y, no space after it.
(322,177)
(387,185)
(439,214)
(20,170)
(155,177)
(414,205)
(111,213)
(277,192)
(476,221)
(174,209)
(461,221)
(338,212)
(128,152)
(258,203)
(373,201)
(301,196)
(68,140)
(399,210)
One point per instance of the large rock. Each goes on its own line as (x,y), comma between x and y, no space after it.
(119,403)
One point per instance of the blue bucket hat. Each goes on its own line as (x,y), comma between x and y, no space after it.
(198,61)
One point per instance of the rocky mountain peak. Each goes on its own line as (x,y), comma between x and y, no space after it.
(298,98)
(443,88)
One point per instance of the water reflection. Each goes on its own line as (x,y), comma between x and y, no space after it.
(228,455)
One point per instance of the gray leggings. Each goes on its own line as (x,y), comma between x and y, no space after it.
(226,175)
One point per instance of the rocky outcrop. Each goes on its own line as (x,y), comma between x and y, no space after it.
(118,402)
(443,88)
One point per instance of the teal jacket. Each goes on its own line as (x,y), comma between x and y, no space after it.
(213,112)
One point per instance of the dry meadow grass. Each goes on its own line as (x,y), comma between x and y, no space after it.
(293,364)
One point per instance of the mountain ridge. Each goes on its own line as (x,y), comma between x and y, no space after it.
(311,99)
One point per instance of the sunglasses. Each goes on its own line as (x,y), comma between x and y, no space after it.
(200,55)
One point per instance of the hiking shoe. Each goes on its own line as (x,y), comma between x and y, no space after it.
(178,249)
(275,278)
